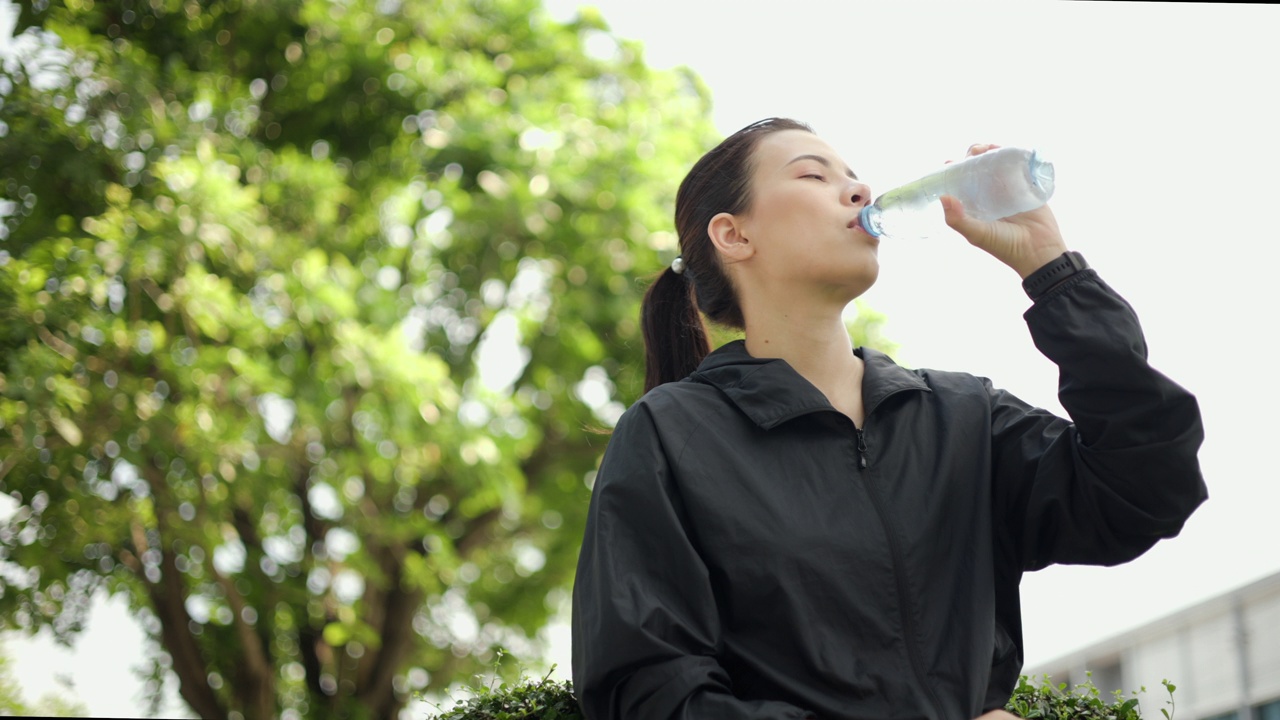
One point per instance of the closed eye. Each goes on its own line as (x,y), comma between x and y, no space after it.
(819,177)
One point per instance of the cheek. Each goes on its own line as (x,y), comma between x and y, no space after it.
(780,213)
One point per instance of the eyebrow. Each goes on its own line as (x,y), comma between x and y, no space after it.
(825,162)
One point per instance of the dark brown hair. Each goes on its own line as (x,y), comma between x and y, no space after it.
(675,337)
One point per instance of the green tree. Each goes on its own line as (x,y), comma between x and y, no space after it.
(262,266)
(13,702)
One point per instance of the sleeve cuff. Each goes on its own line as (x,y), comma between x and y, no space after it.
(1040,282)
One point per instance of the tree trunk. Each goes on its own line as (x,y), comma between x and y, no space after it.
(399,605)
(168,597)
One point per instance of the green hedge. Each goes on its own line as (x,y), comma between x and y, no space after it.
(542,699)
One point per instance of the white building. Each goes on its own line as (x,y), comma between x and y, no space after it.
(1223,655)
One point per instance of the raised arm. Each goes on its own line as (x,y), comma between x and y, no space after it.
(1103,487)
(1123,473)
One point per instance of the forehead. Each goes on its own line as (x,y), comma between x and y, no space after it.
(777,149)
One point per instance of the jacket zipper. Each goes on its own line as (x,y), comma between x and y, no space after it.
(895,554)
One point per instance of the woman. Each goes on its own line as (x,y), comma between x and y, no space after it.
(789,527)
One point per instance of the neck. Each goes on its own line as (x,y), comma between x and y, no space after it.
(812,339)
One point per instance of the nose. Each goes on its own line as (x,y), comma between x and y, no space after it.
(858,192)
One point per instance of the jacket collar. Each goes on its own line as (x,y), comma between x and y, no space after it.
(770,391)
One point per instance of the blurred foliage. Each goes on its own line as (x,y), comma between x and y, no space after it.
(11,702)
(540,699)
(14,704)
(306,311)
(1082,702)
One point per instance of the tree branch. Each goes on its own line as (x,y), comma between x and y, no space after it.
(476,529)
(169,599)
(56,343)
(314,529)
(375,690)
(10,461)
(256,687)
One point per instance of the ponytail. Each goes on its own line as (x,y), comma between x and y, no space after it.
(675,337)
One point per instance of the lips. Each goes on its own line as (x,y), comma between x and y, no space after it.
(856,224)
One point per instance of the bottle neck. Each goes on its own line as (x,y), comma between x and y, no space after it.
(869,218)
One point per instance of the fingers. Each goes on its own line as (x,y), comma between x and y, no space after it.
(975,231)
(976,149)
(953,211)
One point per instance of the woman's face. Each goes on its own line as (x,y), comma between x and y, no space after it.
(802,220)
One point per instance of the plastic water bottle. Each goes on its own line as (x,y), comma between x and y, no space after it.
(994,185)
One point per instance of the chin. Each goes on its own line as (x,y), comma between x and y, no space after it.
(853,284)
(860,290)
(865,276)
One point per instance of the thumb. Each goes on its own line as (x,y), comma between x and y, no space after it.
(953,212)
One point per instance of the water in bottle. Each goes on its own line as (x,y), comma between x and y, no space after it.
(994,185)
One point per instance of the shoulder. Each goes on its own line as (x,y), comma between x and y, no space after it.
(952,381)
(959,393)
(883,376)
(651,435)
(671,410)
(966,394)
(675,400)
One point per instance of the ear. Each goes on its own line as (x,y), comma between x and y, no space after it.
(725,232)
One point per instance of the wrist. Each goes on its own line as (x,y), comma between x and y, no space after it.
(1047,276)
(1029,266)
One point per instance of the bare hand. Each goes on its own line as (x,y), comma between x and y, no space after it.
(997,715)
(1025,242)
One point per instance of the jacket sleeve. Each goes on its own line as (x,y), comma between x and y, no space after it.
(645,624)
(1123,473)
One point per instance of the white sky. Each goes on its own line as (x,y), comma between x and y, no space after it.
(1161,120)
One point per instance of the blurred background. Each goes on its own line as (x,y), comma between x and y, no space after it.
(311,311)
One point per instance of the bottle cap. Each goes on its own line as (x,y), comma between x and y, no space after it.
(1042,175)
(867,219)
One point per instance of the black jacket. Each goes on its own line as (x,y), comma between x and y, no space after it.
(749,553)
